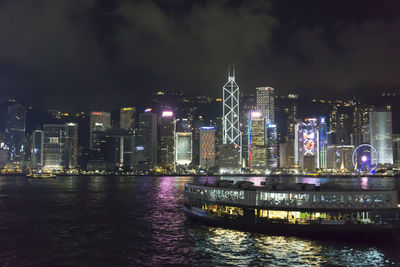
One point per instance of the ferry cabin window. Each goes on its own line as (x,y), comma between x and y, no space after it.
(226,195)
(342,199)
(198,191)
(284,199)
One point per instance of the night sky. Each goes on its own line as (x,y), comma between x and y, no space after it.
(94,54)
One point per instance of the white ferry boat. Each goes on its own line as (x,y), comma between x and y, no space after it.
(300,209)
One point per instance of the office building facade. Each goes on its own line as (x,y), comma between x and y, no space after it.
(272,146)
(183,148)
(14,136)
(37,149)
(100,122)
(380,130)
(207,147)
(127,120)
(257,145)
(54,136)
(167,132)
(265,103)
(147,137)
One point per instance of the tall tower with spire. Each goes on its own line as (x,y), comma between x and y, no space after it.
(230,110)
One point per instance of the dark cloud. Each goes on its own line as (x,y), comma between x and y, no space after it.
(102,54)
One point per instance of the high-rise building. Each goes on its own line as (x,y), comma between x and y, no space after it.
(127,118)
(100,122)
(291,111)
(147,136)
(257,146)
(247,103)
(396,149)
(117,148)
(286,155)
(54,146)
(59,145)
(228,159)
(360,120)
(230,110)
(207,147)
(71,145)
(167,125)
(37,149)
(339,157)
(344,129)
(272,146)
(197,123)
(15,132)
(265,103)
(306,145)
(380,127)
(183,148)
(323,142)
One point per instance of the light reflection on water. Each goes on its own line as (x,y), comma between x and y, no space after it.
(139,221)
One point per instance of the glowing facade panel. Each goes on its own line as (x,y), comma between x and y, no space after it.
(307,144)
(167,113)
(183,148)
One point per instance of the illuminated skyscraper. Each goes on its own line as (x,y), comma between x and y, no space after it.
(289,107)
(257,146)
(207,147)
(360,121)
(147,136)
(37,149)
(100,122)
(247,103)
(60,145)
(230,111)
(272,145)
(183,148)
(323,142)
(71,145)
(15,132)
(167,139)
(265,103)
(306,145)
(127,118)
(54,146)
(380,128)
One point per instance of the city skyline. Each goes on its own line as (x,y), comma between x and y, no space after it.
(336,49)
(199,133)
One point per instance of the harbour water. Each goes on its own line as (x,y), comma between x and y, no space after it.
(103,221)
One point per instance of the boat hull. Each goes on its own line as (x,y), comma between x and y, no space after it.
(344,231)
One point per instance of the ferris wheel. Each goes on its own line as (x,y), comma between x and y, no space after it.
(365,158)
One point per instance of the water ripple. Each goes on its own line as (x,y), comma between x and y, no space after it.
(139,221)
